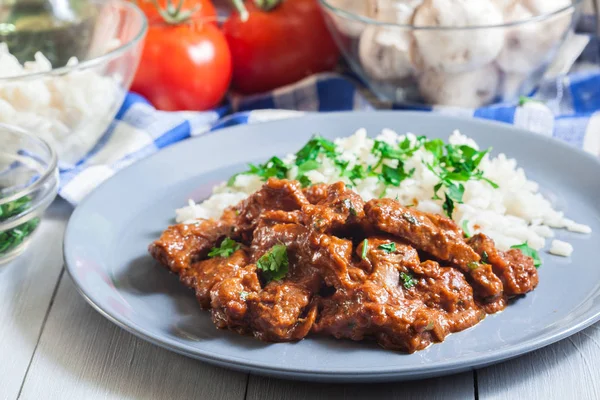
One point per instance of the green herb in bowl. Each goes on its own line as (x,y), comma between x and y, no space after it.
(12,238)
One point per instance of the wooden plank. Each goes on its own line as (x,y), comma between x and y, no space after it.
(566,370)
(81,355)
(459,387)
(26,288)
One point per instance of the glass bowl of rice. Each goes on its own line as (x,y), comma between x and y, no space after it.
(28,184)
(65,68)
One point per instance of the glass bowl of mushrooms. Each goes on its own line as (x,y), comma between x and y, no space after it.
(464,53)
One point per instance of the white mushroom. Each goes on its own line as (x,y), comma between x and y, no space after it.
(458,50)
(384,51)
(467,89)
(530,45)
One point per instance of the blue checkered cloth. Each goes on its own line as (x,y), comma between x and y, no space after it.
(568,111)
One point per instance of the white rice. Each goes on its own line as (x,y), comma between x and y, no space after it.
(560,248)
(70,111)
(514,213)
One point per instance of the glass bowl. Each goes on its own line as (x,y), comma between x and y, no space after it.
(468,66)
(89,51)
(28,184)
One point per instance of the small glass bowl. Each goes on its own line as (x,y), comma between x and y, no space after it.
(28,184)
(71,105)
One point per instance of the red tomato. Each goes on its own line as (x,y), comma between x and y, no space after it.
(278,47)
(206,9)
(184,67)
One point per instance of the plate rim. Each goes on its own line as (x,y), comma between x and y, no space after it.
(331,375)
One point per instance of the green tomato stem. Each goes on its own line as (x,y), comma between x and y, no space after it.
(267,5)
(241,9)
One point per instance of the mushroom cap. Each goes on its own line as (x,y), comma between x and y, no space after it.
(467,89)
(528,46)
(458,50)
(384,53)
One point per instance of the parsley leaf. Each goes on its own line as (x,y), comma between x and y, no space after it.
(350,207)
(313,148)
(357,172)
(227,248)
(485,258)
(365,248)
(303,169)
(465,228)
(529,252)
(275,167)
(435,147)
(408,279)
(394,176)
(454,194)
(473,265)
(274,264)
(307,166)
(12,238)
(15,207)
(304,181)
(388,247)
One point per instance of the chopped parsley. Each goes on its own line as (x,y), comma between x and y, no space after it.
(355,173)
(14,207)
(465,228)
(12,238)
(244,295)
(454,164)
(227,248)
(313,148)
(274,264)
(388,247)
(350,207)
(365,248)
(485,258)
(410,218)
(408,280)
(473,265)
(529,252)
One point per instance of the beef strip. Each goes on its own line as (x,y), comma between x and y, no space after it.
(408,319)
(203,275)
(434,234)
(338,211)
(275,194)
(181,245)
(230,297)
(516,271)
(316,192)
(438,236)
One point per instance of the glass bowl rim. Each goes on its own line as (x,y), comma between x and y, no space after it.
(48,173)
(110,55)
(370,21)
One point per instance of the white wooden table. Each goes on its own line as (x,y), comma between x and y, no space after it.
(53,345)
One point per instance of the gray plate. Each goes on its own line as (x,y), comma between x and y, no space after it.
(107,237)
